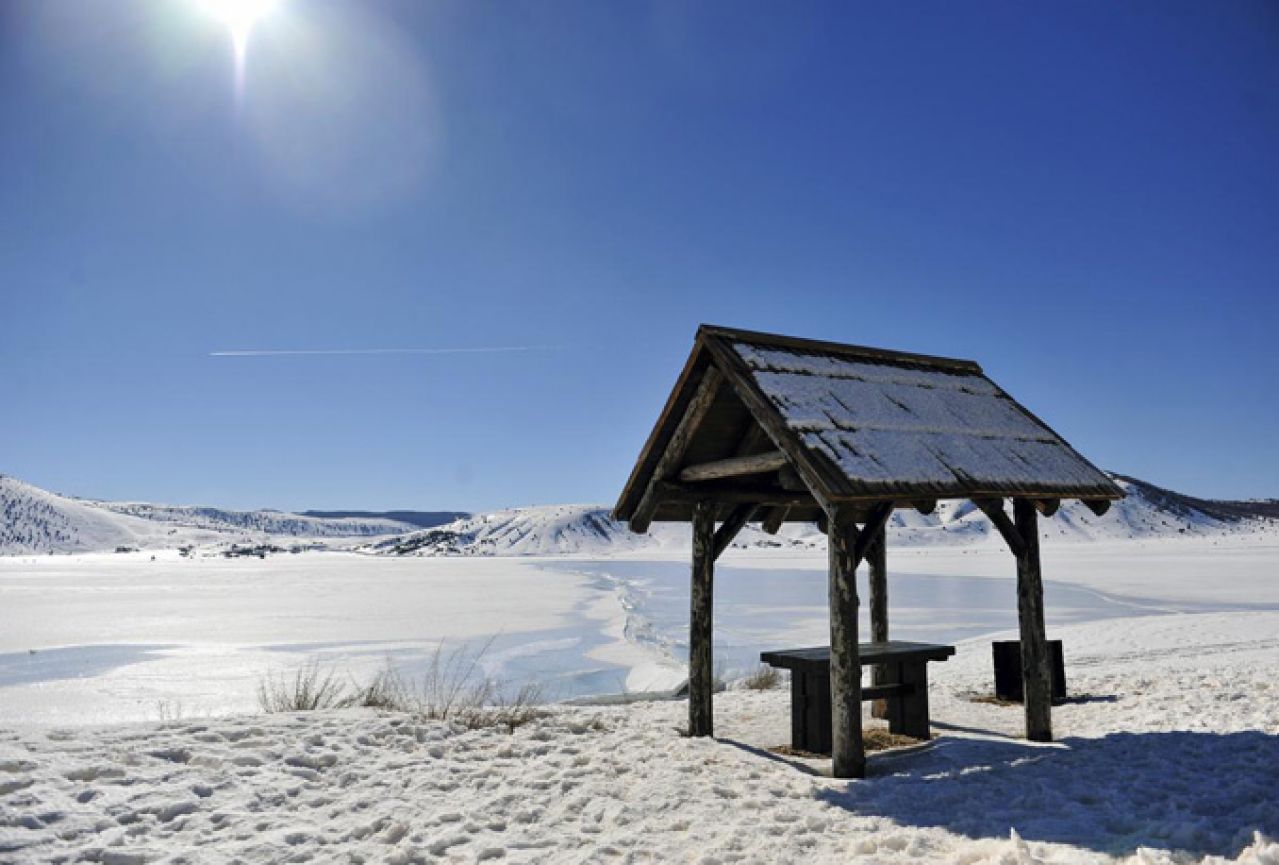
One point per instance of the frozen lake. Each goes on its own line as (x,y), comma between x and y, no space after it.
(103,638)
(772,603)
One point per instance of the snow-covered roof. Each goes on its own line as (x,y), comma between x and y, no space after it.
(861,424)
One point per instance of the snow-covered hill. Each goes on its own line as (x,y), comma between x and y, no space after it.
(1147,512)
(33,520)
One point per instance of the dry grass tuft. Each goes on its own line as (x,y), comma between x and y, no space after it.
(455,688)
(874,738)
(311,688)
(765,678)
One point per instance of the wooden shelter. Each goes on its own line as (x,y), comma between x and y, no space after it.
(769,428)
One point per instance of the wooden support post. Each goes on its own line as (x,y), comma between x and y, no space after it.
(877,560)
(1035,672)
(848,754)
(701,675)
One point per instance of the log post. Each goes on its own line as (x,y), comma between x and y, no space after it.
(847,750)
(1035,672)
(701,676)
(877,562)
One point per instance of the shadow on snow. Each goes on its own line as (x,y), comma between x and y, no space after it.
(1202,793)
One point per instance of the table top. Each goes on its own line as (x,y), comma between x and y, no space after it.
(893,651)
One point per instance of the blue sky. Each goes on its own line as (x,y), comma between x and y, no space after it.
(1082,197)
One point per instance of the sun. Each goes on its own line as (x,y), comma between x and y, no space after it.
(239,16)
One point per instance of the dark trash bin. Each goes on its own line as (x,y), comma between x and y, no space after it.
(1007,655)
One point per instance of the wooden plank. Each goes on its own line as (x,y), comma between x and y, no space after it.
(877,562)
(798,712)
(817,712)
(876,520)
(818,471)
(701,675)
(857,352)
(886,691)
(1035,670)
(913,717)
(733,467)
(675,449)
(869,653)
(994,511)
(773,520)
(1047,507)
(1097,506)
(848,755)
(789,479)
(751,440)
(733,523)
(729,493)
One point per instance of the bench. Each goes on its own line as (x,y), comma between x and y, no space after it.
(905,691)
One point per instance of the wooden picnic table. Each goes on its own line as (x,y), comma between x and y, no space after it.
(904,687)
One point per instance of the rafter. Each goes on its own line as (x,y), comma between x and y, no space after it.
(673,455)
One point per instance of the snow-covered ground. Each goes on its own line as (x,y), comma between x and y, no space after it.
(1170,757)
(1171,643)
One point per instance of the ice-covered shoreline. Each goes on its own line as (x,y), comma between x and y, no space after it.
(1168,759)
(95,638)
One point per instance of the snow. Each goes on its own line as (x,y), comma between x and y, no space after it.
(33,520)
(37,521)
(129,730)
(589,531)
(886,424)
(1170,759)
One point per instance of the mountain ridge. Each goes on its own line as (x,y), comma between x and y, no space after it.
(1148,511)
(35,521)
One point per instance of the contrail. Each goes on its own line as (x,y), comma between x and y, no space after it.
(290,352)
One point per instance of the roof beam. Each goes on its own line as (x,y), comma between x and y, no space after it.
(1047,507)
(772,522)
(673,455)
(994,511)
(730,493)
(1097,506)
(734,467)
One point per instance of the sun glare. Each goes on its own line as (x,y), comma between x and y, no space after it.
(240,16)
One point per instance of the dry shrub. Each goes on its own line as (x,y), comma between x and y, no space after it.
(765,678)
(387,690)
